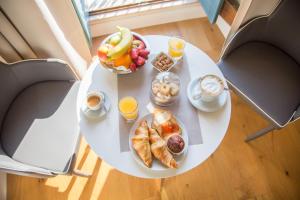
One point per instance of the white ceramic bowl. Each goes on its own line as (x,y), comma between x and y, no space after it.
(127,71)
(154,59)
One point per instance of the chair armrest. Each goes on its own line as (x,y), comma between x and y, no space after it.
(29,72)
(251,31)
(9,165)
(297,114)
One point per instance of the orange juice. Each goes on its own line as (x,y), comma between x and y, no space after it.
(176,47)
(128,108)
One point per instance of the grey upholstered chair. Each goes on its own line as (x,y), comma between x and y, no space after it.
(261,63)
(39,132)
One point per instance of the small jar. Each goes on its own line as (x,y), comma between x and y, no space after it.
(165,88)
(176,144)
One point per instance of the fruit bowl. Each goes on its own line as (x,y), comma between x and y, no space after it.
(124,62)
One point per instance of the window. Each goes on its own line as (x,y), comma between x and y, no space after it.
(96,7)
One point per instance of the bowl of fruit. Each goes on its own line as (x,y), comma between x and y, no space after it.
(123,52)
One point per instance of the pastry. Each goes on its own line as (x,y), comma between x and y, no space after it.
(165,124)
(160,151)
(141,143)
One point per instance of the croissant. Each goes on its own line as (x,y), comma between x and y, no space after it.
(165,124)
(141,143)
(160,151)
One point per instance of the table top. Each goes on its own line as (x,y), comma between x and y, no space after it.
(103,136)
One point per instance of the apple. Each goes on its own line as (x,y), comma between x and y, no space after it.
(102,51)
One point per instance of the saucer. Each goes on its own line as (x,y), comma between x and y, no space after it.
(202,105)
(96,114)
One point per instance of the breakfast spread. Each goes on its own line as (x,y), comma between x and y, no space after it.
(160,138)
(163,126)
(165,88)
(162,62)
(123,51)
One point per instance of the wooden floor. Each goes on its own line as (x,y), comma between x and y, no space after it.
(267,168)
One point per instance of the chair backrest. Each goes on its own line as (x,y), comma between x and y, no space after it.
(283,28)
(17,76)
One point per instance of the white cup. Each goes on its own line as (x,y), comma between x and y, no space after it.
(209,89)
(95,100)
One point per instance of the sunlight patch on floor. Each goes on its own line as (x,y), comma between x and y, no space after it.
(60,182)
(101,179)
(80,182)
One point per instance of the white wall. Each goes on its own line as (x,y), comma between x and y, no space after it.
(259,7)
(249,9)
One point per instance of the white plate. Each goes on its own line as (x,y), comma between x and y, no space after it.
(156,165)
(205,106)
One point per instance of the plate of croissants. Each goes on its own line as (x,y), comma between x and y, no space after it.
(158,141)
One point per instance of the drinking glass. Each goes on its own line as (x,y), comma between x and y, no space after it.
(176,47)
(128,108)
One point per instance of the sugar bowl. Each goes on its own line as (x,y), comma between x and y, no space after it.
(165,88)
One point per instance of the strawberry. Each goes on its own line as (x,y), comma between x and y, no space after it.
(140,61)
(132,66)
(144,53)
(134,53)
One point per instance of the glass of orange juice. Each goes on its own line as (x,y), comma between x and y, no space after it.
(176,47)
(128,107)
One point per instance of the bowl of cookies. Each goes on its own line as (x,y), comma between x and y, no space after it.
(165,88)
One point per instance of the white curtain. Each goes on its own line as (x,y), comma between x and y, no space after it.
(43,29)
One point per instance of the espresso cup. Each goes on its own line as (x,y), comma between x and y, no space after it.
(95,100)
(210,88)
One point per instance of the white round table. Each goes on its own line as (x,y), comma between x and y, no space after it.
(103,136)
